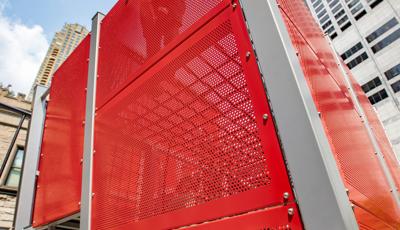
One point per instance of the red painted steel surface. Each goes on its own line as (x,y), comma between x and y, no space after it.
(276,218)
(138,32)
(353,150)
(186,141)
(59,183)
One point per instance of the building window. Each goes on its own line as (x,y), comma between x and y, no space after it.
(336,9)
(377,97)
(386,41)
(371,84)
(326,25)
(374,4)
(15,171)
(346,26)
(352,51)
(360,15)
(353,3)
(315,4)
(322,13)
(319,8)
(343,20)
(353,63)
(356,9)
(333,3)
(393,72)
(338,15)
(324,19)
(396,86)
(387,26)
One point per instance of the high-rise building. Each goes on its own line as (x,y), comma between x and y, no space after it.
(64,42)
(366,34)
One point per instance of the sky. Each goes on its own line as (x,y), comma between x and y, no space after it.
(27,28)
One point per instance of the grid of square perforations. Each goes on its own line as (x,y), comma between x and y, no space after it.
(135,31)
(187,135)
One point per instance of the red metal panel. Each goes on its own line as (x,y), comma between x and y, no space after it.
(186,142)
(379,132)
(59,182)
(276,218)
(355,155)
(136,33)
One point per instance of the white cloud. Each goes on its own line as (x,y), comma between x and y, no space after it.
(22,49)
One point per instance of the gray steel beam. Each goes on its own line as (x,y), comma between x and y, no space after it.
(87,171)
(26,193)
(319,189)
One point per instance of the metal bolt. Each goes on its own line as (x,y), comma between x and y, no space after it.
(265,117)
(92,195)
(81,161)
(286,195)
(234,5)
(248,55)
(291,211)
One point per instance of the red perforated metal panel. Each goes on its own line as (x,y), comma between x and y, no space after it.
(138,32)
(59,183)
(379,132)
(266,219)
(353,150)
(186,142)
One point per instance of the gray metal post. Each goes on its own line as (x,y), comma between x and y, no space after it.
(86,196)
(319,189)
(371,135)
(26,193)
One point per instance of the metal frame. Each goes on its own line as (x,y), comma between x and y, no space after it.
(27,187)
(367,125)
(87,172)
(319,189)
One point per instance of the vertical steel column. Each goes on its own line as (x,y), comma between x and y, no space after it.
(319,189)
(367,125)
(86,196)
(26,193)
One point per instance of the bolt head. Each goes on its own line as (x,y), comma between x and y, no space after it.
(265,116)
(286,195)
(291,211)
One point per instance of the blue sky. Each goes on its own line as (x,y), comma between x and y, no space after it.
(26,29)
(52,14)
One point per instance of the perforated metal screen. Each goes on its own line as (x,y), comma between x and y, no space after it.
(185,142)
(60,172)
(359,166)
(138,32)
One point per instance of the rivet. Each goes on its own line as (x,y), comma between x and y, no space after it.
(234,5)
(92,195)
(81,161)
(286,195)
(347,191)
(291,211)
(248,55)
(319,114)
(265,117)
(79,203)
